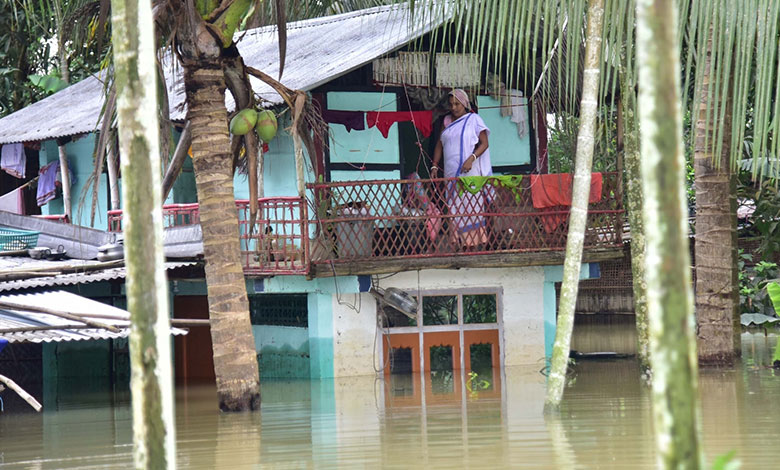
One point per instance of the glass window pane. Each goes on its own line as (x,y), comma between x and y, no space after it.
(440,310)
(391,318)
(479,308)
(441,358)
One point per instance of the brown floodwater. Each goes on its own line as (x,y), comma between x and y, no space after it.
(407,421)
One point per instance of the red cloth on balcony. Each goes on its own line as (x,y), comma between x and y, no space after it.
(553,191)
(383,120)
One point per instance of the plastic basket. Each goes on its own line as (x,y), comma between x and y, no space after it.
(12,239)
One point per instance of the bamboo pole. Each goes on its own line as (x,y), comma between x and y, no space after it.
(133,38)
(578,217)
(113,177)
(20,391)
(668,263)
(57,313)
(65,180)
(179,157)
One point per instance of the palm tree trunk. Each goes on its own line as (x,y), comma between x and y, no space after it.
(717,294)
(635,203)
(235,358)
(668,273)
(578,217)
(154,441)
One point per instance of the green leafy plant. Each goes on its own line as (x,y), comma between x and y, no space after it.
(474,384)
(753,280)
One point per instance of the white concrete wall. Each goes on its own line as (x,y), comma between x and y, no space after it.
(521,313)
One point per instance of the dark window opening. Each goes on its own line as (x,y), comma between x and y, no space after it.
(400,360)
(279,310)
(479,308)
(441,358)
(481,356)
(440,310)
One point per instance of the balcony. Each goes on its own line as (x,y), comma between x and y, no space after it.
(367,227)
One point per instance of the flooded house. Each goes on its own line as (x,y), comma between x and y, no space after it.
(357,263)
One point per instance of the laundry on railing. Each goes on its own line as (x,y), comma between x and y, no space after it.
(351,120)
(383,120)
(550,192)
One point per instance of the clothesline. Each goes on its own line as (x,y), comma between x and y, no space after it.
(24,185)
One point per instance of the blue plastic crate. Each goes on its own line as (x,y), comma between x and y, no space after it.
(12,239)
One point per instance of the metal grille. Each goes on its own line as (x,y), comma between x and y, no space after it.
(174,215)
(279,310)
(364,220)
(278,242)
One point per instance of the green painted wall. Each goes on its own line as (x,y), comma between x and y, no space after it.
(283,351)
(81,162)
(506,146)
(553,275)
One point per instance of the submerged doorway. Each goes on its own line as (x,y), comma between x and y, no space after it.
(452,331)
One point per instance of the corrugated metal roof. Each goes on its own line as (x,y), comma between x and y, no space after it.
(318,51)
(70,278)
(61,302)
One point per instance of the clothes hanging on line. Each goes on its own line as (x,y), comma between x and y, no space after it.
(515,106)
(47,182)
(383,120)
(13,160)
(552,191)
(13,201)
(352,120)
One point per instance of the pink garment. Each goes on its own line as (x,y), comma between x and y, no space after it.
(13,201)
(383,120)
(418,197)
(553,191)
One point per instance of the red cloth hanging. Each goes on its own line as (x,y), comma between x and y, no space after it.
(383,120)
(552,191)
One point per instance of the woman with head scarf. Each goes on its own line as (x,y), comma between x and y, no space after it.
(463,144)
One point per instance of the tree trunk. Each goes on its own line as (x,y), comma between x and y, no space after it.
(578,216)
(633,178)
(717,294)
(668,273)
(147,294)
(235,358)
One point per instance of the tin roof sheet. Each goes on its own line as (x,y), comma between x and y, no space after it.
(318,50)
(22,263)
(20,317)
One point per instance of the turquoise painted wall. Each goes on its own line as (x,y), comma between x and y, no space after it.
(320,306)
(366,146)
(279,176)
(553,275)
(79,157)
(283,351)
(506,146)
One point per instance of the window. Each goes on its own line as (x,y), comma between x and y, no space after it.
(279,310)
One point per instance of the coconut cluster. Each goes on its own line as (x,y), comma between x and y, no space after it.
(263,122)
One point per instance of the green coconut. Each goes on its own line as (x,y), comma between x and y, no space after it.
(266,125)
(243,122)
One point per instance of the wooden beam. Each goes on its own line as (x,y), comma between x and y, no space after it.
(19,390)
(493,260)
(179,156)
(56,313)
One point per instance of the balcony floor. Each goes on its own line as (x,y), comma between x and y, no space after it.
(488,260)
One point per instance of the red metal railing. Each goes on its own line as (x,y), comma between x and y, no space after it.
(397,219)
(364,220)
(174,215)
(276,244)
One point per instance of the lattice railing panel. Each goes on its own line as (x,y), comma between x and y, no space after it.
(364,220)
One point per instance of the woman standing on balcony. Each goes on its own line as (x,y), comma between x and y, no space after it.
(464,145)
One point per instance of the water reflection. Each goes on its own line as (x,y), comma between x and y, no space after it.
(437,419)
